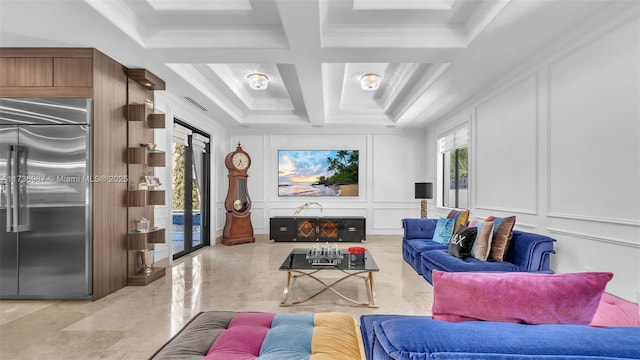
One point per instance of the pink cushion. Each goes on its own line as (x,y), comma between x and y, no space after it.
(518,297)
(613,311)
(243,338)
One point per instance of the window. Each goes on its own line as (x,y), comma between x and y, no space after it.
(453,169)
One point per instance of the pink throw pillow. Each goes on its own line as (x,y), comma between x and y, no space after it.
(518,297)
(614,311)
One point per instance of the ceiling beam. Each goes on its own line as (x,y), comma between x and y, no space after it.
(301,23)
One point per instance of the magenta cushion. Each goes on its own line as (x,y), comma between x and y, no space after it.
(243,338)
(518,297)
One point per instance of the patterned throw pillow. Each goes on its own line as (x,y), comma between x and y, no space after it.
(460,216)
(482,246)
(444,230)
(462,241)
(502,234)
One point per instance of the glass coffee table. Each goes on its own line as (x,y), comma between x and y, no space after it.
(297,265)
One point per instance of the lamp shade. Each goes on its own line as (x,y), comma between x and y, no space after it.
(424,190)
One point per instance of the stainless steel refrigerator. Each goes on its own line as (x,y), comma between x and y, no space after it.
(45,198)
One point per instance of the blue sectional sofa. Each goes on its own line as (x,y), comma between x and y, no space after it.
(527,252)
(403,337)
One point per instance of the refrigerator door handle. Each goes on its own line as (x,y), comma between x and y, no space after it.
(10,183)
(16,190)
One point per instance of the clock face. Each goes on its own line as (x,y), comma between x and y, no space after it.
(240,161)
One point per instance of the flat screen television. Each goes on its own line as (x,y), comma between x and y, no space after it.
(318,173)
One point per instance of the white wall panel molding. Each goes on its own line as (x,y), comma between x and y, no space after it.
(519,225)
(527,227)
(507,210)
(504,156)
(592,127)
(220,214)
(396,165)
(389,221)
(257,218)
(619,242)
(594,218)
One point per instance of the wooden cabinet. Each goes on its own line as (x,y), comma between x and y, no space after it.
(320,229)
(28,71)
(142,120)
(50,72)
(71,72)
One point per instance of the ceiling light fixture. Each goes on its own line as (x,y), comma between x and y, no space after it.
(258,81)
(370,82)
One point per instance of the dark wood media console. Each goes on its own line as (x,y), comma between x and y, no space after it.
(325,229)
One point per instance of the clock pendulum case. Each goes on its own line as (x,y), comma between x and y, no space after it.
(237,226)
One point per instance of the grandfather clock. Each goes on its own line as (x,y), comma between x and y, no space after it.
(237,226)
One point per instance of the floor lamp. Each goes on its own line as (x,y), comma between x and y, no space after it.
(424,191)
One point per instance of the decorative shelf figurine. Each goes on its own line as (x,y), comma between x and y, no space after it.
(306,206)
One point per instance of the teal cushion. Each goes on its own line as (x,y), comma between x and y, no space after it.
(444,230)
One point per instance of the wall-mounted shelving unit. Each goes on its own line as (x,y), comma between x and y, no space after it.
(143,119)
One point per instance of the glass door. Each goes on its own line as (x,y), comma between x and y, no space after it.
(190,185)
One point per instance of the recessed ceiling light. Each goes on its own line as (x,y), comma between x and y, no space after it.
(370,82)
(258,81)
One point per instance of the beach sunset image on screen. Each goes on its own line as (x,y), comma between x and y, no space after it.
(318,172)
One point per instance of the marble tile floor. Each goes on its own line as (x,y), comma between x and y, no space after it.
(134,322)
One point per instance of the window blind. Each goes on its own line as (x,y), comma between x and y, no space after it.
(199,142)
(181,134)
(456,139)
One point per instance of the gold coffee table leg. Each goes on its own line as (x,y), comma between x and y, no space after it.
(285,293)
(372,291)
(368,283)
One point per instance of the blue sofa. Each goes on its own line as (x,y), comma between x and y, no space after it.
(420,337)
(527,252)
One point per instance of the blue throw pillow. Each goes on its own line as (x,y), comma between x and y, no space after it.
(444,230)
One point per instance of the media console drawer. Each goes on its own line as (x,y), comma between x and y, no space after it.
(321,228)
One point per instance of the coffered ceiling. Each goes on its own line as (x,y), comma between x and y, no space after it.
(432,55)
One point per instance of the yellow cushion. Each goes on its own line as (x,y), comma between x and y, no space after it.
(336,337)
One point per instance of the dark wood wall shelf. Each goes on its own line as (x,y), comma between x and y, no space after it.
(146,78)
(143,112)
(141,155)
(321,229)
(142,279)
(137,155)
(145,240)
(137,198)
(156,158)
(156,197)
(156,120)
